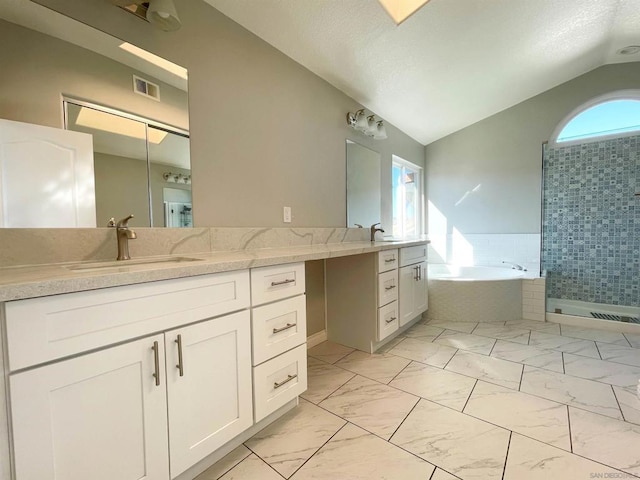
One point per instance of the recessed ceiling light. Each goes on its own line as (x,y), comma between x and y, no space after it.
(629,50)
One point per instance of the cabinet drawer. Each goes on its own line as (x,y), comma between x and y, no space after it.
(387,287)
(388,321)
(269,284)
(387,260)
(47,328)
(411,255)
(278,327)
(278,381)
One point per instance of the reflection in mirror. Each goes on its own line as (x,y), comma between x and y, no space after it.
(60,58)
(134,155)
(363,186)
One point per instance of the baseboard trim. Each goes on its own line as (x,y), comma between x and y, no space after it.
(609,325)
(316,339)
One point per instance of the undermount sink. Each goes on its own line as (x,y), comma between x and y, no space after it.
(89,267)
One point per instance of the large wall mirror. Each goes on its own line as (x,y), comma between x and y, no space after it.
(363,186)
(61,76)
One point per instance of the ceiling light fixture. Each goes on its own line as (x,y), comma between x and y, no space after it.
(367,124)
(400,10)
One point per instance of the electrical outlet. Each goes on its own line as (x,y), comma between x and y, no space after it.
(286,215)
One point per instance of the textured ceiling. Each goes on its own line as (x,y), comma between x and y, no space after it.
(452,63)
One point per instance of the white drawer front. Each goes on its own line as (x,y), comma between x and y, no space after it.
(43,329)
(269,284)
(387,287)
(278,327)
(387,260)
(279,380)
(411,255)
(388,320)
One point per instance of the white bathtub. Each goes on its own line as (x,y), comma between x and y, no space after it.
(469,274)
(474,294)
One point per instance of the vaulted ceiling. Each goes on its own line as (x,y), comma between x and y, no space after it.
(452,63)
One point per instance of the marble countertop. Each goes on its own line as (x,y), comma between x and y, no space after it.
(53,279)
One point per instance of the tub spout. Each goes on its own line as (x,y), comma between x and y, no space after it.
(515,266)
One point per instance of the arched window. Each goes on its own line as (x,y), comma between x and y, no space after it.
(614,115)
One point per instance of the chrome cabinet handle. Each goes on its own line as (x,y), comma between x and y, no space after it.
(156,361)
(416,277)
(284,282)
(392,319)
(389,260)
(180,365)
(286,327)
(390,287)
(419,272)
(289,378)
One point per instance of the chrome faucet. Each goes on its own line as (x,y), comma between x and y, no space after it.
(374,230)
(515,266)
(123,234)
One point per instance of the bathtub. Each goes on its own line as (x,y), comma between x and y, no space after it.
(474,294)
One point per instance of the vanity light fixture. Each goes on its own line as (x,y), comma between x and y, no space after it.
(400,10)
(163,14)
(170,177)
(367,124)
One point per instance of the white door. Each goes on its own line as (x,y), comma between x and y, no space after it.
(99,416)
(406,302)
(46,177)
(211,402)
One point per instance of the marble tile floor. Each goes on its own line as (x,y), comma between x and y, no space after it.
(512,400)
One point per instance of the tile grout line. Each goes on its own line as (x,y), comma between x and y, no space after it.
(618,402)
(598,349)
(405,418)
(262,460)
(569,424)
(320,448)
(564,368)
(403,369)
(449,361)
(227,471)
(469,397)
(529,339)
(506,457)
(521,377)
(495,342)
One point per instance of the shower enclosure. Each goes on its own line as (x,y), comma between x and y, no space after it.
(591,228)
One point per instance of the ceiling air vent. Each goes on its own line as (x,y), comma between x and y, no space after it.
(146,88)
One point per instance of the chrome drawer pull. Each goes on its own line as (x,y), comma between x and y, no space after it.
(286,327)
(390,288)
(284,282)
(289,378)
(392,319)
(156,361)
(180,365)
(389,260)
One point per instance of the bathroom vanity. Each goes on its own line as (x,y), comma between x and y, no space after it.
(154,370)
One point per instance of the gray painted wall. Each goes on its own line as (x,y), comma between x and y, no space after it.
(265,131)
(501,158)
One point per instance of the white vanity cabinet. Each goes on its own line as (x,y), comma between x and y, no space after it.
(371,296)
(148,408)
(413,299)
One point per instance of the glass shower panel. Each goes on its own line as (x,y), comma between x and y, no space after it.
(591,225)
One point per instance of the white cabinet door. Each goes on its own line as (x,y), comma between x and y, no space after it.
(413,292)
(421,297)
(99,416)
(46,177)
(407,279)
(211,402)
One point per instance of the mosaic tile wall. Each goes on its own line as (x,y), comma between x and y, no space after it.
(591,222)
